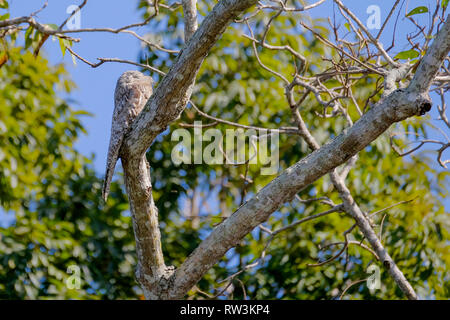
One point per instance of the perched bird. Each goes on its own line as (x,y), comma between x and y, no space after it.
(133,89)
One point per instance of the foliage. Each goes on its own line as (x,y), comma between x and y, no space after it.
(231,85)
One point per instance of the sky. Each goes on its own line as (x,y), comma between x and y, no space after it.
(96,86)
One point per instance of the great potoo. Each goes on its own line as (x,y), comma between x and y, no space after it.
(133,89)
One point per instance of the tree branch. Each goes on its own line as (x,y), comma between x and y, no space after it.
(399,105)
(190,18)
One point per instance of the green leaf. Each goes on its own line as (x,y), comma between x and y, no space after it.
(63,44)
(409,54)
(4,17)
(417,10)
(444,3)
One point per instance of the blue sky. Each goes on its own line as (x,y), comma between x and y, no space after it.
(96,86)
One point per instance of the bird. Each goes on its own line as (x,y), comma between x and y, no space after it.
(133,89)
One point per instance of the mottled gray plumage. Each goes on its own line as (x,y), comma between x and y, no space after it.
(133,89)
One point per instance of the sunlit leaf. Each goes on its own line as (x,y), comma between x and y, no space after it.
(418,10)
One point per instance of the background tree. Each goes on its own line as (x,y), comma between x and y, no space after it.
(60,220)
(242,81)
